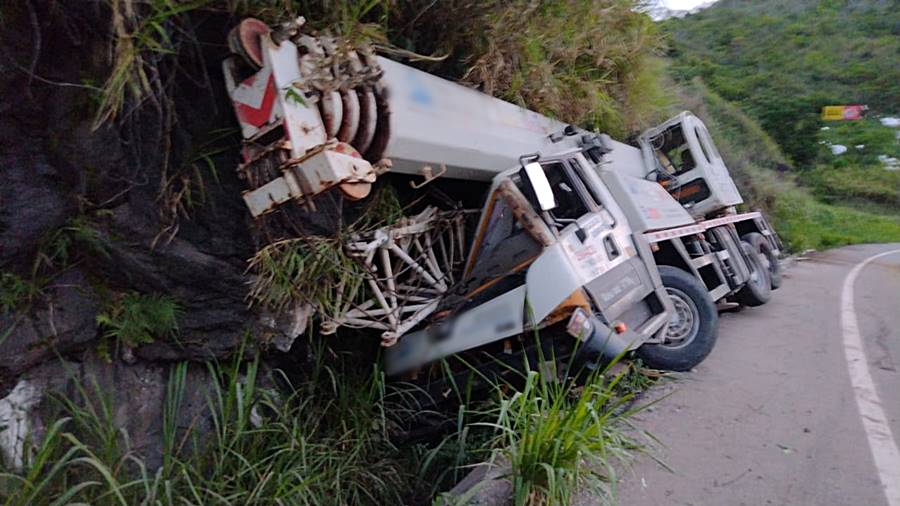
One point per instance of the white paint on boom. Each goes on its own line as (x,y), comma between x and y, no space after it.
(878,432)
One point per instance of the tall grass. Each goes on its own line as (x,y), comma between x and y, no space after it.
(561,433)
(323,442)
(586,63)
(318,270)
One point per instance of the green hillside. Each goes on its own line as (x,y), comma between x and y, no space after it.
(782,61)
(803,217)
(761,71)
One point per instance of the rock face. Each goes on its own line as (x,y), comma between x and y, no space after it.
(135,395)
(64,324)
(159,221)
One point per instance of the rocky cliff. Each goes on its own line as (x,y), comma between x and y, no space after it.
(145,203)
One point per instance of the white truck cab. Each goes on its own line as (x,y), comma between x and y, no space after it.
(551,240)
(681,155)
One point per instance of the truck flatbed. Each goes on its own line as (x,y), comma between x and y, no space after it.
(702,226)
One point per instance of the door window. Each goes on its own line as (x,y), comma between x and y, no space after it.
(570,204)
(504,245)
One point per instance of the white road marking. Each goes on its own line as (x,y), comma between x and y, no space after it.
(878,432)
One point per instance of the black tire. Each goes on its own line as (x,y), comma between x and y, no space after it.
(758,289)
(696,324)
(760,244)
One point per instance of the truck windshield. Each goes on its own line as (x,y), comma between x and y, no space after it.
(502,247)
(672,151)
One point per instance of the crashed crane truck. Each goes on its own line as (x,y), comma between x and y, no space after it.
(606,246)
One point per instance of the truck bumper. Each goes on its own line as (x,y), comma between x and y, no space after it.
(599,342)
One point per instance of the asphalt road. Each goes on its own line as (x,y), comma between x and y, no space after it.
(772,415)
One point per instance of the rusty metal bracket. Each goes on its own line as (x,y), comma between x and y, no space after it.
(429,175)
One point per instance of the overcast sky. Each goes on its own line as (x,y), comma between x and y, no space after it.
(682,4)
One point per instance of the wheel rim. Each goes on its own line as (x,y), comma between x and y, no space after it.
(685,323)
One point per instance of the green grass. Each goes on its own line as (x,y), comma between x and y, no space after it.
(860,184)
(317,270)
(560,436)
(875,139)
(325,439)
(324,442)
(805,223)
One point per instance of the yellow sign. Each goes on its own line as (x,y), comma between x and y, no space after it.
(843,112)
(833,113)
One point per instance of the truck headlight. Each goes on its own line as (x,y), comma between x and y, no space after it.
(580,326)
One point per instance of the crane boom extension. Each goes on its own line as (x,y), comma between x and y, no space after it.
(330,112)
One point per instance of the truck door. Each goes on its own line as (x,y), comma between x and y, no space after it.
(599,250)
(509,237)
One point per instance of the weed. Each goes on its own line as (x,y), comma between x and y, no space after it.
(314,269)
(15,291)
(55,252)
(311,269)
(850,184)
(636,378)
(323,442)
(559,437)
(143,32)
(582,62)
(187,187)
(134,319)
(56,249)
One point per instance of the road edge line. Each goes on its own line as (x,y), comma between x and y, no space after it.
(882,445)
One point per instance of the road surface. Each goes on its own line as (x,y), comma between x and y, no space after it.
(772,415)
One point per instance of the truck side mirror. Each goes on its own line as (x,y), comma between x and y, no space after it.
(540,185)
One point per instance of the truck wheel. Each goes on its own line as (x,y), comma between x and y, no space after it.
(769,259)
(693,329)
(758,289)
